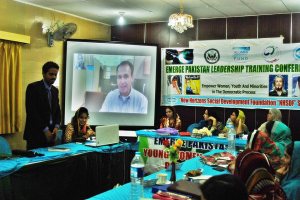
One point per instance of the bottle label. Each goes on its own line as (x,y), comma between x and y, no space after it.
(231,136)
(137,172)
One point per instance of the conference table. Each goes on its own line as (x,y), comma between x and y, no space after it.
(78,173)
(123,192)
(83,171)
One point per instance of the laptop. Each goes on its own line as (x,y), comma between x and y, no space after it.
(105,135)
(186,187)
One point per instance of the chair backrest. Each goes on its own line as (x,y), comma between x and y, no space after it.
(5,150)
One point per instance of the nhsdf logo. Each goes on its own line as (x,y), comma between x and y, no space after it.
(171,100)
(271,54)
(212,56)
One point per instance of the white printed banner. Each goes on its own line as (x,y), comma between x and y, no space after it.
(243,75)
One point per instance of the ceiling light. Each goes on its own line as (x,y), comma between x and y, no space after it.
(121,20)
(180,21)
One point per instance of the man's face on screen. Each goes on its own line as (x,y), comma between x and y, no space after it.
(124,80)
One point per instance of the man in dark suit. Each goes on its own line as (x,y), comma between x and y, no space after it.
(43,110)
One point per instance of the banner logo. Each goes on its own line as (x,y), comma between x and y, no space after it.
(171,100)
(240,54)
(175,56)
(271,54)
(212,56)
(297,53)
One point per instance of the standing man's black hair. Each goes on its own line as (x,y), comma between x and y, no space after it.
(48,65)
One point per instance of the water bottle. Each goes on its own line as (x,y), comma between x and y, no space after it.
(231,137)
(229,124)
(137,177)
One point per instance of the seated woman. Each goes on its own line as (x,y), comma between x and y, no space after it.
(237,118)
(289,173)
(256,172)
(280,134)
(210,121)
(78,129)
(171,120)
(274,114)
(261,142)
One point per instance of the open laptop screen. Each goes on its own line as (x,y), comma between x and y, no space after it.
(106,135)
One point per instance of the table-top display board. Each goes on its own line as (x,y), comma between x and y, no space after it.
(152,149)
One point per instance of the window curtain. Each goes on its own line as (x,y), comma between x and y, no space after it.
(10,87)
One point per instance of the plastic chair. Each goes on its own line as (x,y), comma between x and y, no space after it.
(5,150)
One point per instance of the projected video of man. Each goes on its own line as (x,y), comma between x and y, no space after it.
(111,83)
(125,98)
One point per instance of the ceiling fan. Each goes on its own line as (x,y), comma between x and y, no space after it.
(61,33)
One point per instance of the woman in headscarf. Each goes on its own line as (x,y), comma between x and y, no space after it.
(78,129)
(256,172)
(171,120)
(238,118)
(280,134)
(261,142)
(274,114)
(289,173)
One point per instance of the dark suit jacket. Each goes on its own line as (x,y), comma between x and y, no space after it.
(38,112)
(274,93)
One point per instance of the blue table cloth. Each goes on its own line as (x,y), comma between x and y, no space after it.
(8,166)
(213,139)
(123,192)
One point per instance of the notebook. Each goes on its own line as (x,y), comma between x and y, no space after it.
(105,135)
(59,149)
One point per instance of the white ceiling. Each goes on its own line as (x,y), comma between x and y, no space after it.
(145,11)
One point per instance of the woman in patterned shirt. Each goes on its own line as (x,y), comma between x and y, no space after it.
(78,129)
(171,120)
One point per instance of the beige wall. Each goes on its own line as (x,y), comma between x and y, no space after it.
(26,19)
